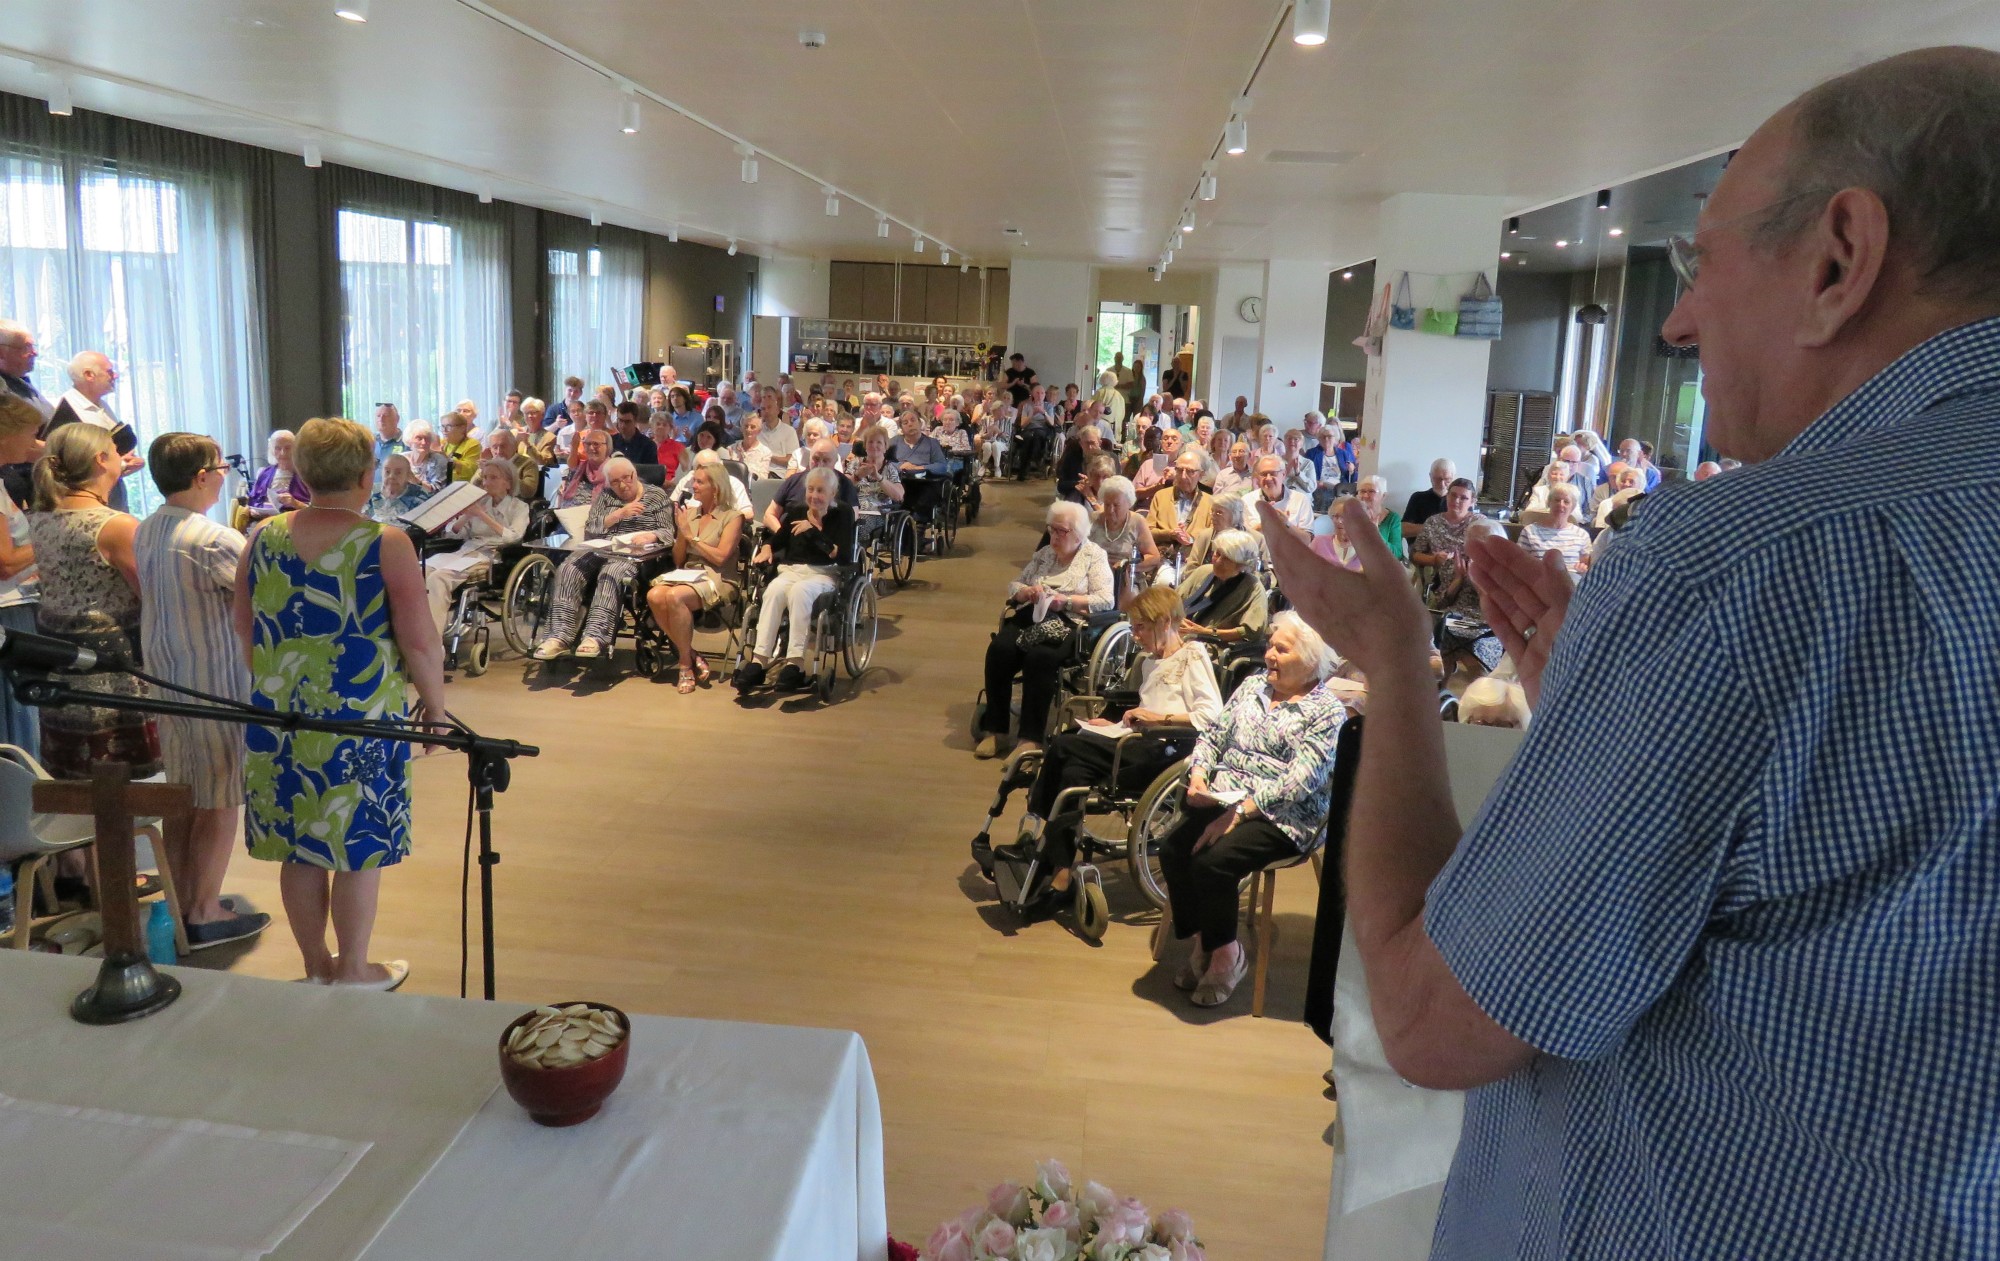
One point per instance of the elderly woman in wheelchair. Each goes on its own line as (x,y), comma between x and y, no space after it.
(708,529)
(497,521)
(814,537)
(1063,584)
(1225,600)
(1145,727)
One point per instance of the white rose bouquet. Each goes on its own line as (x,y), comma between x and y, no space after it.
(1049,1219)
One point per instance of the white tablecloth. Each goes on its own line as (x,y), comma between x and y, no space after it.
(725,1140)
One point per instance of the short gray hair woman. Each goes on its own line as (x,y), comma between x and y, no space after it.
(499,520)
(1062,583)
(1118,488)
(1224,600)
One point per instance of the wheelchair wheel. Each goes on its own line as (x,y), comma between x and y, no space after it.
(947,521)
(646,656)
(857,645)
(1158,812)
(478,655)
(972,503)
(1110,659)
(902,543)
(1093,912)
(530,597)
(979,717)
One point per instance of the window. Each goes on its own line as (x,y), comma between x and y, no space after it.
(151,265)
(424,313)
(597,296)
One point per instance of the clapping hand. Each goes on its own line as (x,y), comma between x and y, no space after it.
(1525,599)
(1373,617)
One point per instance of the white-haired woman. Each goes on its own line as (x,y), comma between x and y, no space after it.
(1557,473)
(1259,786)
(1560,533)
(430,466)
(996,431)
(1596,459)
(491,523)
(1062,584)
(278,487)
(1373,492)
(813,536)
(1336,546)
(591,583)
(1124,537)
(1224,600)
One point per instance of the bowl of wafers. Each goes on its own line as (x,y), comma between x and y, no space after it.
(562,1061)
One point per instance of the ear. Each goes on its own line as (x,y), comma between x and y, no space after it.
(1845,252)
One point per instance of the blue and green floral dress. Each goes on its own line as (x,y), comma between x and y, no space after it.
(322,645)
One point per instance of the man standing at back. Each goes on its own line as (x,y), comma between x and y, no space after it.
(1020,377)
(17,361)
(1752,1011)
(92,378)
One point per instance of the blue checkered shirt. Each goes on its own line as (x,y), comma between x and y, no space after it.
(1765,974)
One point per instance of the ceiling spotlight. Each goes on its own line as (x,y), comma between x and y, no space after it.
(1187,222)
(1347,275)
(1604,199)
(812,39)
(596,218)
(310,152)
(1236,136)
(1514,226)
(1206,189)
(628,114)
(964,268)
(1506,254)
(945,258)
(1562,245)
(732,247)
(1159,273)
(832,203)
(920,245)
(1168,257)
(351,10)
(61,102)
(1522,261)
(749,170)
(1616,232)
(1310,19)
(882,228)
(674,235)
(485,195)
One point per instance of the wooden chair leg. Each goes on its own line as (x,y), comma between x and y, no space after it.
(24,902)
(1265,890)
(1319,865)
(181,830)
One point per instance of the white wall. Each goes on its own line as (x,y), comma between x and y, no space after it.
(1044,299)
(1230,349)
(793,286)
(1294,340)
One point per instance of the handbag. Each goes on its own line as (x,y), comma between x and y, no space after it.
(1403,311)
(1370,340)
(1440,320)
(1479,312)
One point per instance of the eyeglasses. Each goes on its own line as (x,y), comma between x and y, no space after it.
(215,468)
(1685,255)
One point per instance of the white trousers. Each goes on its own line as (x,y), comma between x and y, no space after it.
(444,575)
(791,592)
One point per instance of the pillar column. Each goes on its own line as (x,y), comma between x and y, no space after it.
(1426,395)
(1050,320)
(1294,341)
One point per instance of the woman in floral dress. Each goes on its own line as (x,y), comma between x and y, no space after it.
(331,608)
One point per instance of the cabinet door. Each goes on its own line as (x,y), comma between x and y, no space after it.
(878,292)
(941,301)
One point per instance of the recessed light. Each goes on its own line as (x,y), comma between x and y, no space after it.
(1562,245)
(1347,275)
(1506,254)
(1616,232)
(351,10)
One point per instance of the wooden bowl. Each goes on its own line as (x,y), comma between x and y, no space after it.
(569,1095)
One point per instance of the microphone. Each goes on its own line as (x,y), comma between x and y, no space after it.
(20,650)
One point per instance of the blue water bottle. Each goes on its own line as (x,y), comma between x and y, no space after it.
(160,934)
(6,901)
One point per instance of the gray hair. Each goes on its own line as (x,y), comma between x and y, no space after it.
(1922,132)
(419,429)
(617,464)
(1276,461)
(1450,470)
(84,362)
(1568,491)
(13,332)
(533,404)
(506,468)
(1319,658)
(813,430)
(271,444)
(1075,516)
(823,476)
(1380,482)
(1240,546)
(1118,488)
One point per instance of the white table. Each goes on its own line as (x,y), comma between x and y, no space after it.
(725,1140)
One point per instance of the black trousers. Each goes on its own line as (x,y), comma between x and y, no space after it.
(1203,889)
(1075,760)
(1038,665)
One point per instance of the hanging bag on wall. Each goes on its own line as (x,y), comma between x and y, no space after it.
(1370,340)
(1440,319)
(1403,311)
(1479,312)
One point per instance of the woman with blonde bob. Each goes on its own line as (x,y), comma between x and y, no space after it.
(707,532)
(331,610)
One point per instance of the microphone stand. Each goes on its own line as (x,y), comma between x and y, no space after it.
(487,769)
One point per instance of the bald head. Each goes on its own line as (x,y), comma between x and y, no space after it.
(92,375)
(825,454)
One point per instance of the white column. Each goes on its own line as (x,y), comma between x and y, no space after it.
(1427,395)
(1049,318)
(1232,347)
(798,287)
(1294,341)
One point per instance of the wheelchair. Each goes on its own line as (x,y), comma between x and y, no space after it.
(481,604)
(845,621)
(1102,651)
(890,546)
(528,599)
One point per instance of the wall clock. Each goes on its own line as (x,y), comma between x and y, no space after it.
(1251,309)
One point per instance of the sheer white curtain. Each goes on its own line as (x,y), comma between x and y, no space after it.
(597,297)
(424,309)
(137,242)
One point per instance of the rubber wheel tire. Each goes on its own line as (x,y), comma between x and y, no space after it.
(478,656)
(903,551)
(948,525)
(524,610)
(972,504)
(857,649)
(1153,817)
(1093,912)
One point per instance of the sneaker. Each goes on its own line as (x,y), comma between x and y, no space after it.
(222,931)
(790,678)
(548,650)
(590,649)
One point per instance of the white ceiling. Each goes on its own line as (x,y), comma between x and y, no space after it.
(1084,123)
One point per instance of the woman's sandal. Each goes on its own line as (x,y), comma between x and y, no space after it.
(686,683)
(702,674)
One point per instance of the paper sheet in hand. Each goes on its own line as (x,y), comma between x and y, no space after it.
(1042,603)
(78,1184)
(683,575)
(432,514)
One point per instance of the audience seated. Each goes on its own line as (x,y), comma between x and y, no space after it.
(1084,445)
(1062,584)
(1427,503)
(1301,473)
(584,481)
(1259,787)
(1157,468)
(1370,491)
(630,440)
(1097,470)
(820,454)
(591,584)
(707,532)
(1560,533)
(1626,484)
(1293,503)
(921,461)
(534,435)
(1494,702)
(1335,545)
(506,445)
(397,493)
(388,432)
(1462,636)
(878,485)
(1441,542)
(1125,538)
(1238,477)
(497,521)
(461,446)
(814,535)
(278,487)
(1224,599)
(1170,691)
(1181,514)
(738,495)
(430,468)
(756,455)
(669,452)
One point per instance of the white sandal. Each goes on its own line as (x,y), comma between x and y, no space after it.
(1213,992)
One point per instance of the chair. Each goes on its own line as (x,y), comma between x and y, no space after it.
(1263,929)
(28,840)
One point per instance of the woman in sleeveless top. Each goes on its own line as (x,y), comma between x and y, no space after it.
(90,597)
(706,534)
(331,609)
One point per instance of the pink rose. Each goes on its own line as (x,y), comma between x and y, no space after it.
(997,1239)
(1096,1200)
(948,1242)
(1008,1202)
(1126,1224)
(1052,1180)
(1062,1215)
(1174,1226)
(1044,1244)
(1185,1250)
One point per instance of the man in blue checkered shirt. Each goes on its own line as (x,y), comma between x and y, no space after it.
(1756,1011)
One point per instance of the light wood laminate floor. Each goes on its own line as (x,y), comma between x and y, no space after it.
(683,855)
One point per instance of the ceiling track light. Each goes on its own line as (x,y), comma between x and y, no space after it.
(920,245)
(882,228)
(732,247)
(1206,189)
(1187,222)
(945,258)
(310,152)
(485,195)
(1604,199)
(62,103)
(351,10)
(674,235)
(1236,136)
(749,170)
(964,268)
(832,202)
(1310,20)
(596,218)
(1616,232)
(1514,226)
(628,114)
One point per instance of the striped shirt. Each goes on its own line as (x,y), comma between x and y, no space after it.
(1765,986)
(187,579)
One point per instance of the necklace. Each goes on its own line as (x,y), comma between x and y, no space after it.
(87,493)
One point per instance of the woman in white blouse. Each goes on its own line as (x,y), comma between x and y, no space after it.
(1062,585)
(752,452)
(1177,692)
(1561,533)
(487,526)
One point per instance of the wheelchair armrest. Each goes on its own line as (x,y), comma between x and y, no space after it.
(1108,617)
(1118,749)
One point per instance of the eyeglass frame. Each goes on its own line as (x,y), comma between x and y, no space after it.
(1684,254)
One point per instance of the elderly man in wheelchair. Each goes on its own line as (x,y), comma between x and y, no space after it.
(1144,727)
(593,584)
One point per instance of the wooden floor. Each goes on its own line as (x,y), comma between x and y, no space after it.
(684,855)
